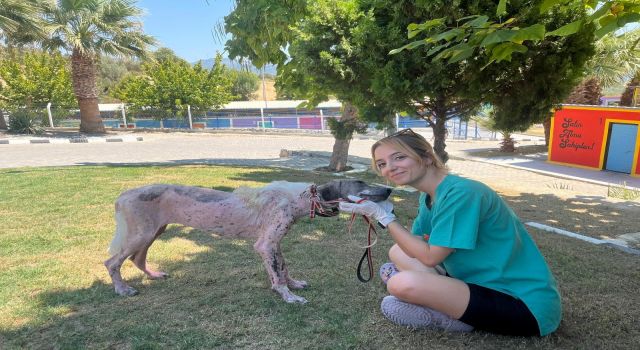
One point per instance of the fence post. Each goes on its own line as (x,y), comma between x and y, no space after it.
(189,114)
(49,113)
(321,120)
(124,116)
(262,117)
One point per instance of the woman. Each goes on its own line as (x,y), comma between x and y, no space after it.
(496,279)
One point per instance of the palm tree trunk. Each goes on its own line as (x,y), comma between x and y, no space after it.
(83,68)
(547,130)
(3,123)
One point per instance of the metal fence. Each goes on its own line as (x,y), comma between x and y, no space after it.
(116,116)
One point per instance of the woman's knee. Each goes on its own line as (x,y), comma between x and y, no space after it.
(402,285)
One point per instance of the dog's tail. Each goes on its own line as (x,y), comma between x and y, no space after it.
(121,234)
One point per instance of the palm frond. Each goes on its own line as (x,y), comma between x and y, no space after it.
(616,59)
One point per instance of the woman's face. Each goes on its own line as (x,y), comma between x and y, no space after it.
(397,166)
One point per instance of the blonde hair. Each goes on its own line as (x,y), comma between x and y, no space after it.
(412,144)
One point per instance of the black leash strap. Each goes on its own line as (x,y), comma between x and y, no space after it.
(367,255)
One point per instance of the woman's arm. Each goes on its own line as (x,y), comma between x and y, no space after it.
(417,248)
(412,245)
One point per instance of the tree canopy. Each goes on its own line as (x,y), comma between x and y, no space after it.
(34,78)
(169,85)
(341,48)
(498,32)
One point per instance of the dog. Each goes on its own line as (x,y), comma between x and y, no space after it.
(266,214)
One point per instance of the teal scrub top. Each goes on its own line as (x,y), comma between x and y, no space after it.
(492,247)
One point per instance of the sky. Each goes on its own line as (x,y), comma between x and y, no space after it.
(186,26)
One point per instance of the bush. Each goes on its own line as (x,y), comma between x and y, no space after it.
(25,122)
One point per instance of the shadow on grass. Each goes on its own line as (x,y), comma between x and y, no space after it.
(305,162)
(219,297)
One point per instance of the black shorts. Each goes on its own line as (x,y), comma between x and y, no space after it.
(497,312)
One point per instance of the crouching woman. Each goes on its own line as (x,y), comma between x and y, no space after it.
(494,278)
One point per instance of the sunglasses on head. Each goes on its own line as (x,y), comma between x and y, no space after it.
(407,131)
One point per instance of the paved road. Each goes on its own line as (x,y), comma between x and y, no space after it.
(262,149)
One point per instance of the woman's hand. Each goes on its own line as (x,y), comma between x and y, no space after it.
(380,212)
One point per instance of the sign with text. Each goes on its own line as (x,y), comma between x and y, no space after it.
(579,134)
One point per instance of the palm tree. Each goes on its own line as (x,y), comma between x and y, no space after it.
(485,117)
(15,16)
(87,29)
(616,59)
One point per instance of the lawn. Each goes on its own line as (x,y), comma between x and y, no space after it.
(55,292)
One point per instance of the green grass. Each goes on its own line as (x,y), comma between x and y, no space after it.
(55,293)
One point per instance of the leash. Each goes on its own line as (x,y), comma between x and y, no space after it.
(314,199)
(367,255)
(315,204)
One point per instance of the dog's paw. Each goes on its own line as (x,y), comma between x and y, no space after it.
(286,294)
(297,284)
(157,275)
(126,291)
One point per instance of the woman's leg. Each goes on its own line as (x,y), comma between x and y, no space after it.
(419,284)
(445,294)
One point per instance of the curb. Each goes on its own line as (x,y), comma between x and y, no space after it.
(81,139)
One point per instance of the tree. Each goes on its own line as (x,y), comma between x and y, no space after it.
(19,21)
(169,85)
(260,32)
(616,58)
(587,92)
(630,95)
(499,34)
(164,54)
(519,70)
(35,78)
(111,71)
(245,84)
(88,29)
(486,119)
(434,90)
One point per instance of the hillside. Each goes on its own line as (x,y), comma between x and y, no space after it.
(269,88)
(270,69)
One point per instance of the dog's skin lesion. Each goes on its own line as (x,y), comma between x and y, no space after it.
(142,214)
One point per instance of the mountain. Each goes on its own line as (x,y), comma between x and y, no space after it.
(270,69)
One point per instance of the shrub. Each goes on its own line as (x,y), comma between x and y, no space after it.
(25,122)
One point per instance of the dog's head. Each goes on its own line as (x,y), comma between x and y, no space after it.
(335,190)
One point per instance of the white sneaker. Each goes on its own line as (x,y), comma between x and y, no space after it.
(416,316)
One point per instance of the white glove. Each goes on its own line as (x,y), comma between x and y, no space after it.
(381,212)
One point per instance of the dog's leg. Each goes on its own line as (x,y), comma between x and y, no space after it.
(113,265)
(292,283)
(120,252)
(274,263)
(140,258)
